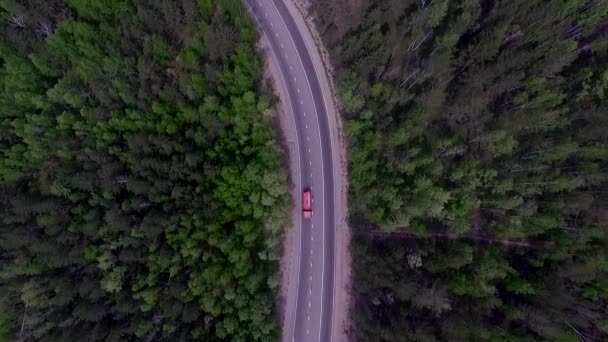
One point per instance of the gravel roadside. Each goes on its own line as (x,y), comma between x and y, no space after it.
(286,123)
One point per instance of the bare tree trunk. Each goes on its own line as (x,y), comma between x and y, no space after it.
(446,81)
(580,336)
(402,234)
(410,76)
(411,85)
(18,22)
(423,39)
(536,183)
(541,168)
(24,315)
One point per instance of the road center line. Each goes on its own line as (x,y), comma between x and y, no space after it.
(299,159)
(322,172)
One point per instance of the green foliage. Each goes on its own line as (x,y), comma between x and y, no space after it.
(100,10)
(8,321)
(352,102)
(142,193)
(475,121)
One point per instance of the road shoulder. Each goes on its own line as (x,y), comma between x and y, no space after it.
(290,248)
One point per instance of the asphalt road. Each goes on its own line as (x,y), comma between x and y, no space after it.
(310,296)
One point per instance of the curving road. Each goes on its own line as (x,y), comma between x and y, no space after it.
(309,306)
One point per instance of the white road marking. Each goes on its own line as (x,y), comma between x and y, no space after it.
(322,173)
(282,47)
(311,254)
(290,68)
(309,163)
(308,138)
(308,317)
(266,13)
(308,150)
(307,331)
(306,125)
(271,24)
(294,78)
(298,90)
(299,162)
(308,304)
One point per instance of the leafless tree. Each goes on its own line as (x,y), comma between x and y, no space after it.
(122,179)
(416,44)
(408,78)
(585,47)
(144,205)
(24,316)
(512,36)
(18,22)
(404,234)
(444,151)
(45,30)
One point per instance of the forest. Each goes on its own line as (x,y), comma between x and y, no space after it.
(142,191)
(477,136)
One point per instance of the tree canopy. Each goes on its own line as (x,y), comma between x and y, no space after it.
(142,192)
(475,121)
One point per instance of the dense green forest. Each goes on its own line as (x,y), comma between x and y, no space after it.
(141,188)
(477,150)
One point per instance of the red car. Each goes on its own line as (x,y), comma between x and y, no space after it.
(306,204)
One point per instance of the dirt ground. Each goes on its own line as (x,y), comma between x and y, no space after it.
(282,113)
